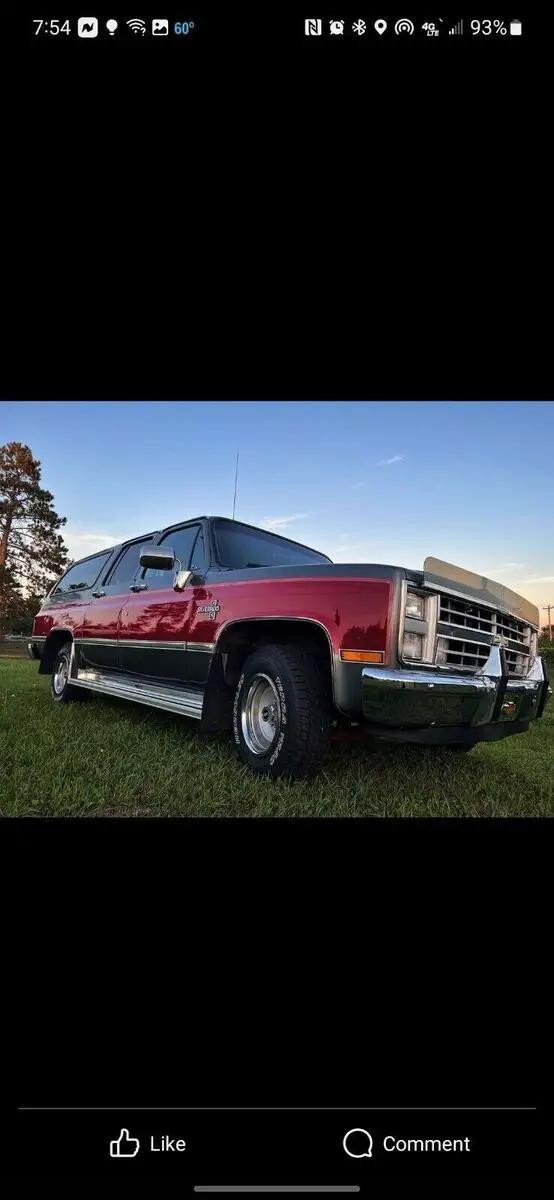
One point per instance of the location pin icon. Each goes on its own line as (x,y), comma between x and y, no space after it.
(380,26)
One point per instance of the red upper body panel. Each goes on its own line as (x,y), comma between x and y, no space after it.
(355,612)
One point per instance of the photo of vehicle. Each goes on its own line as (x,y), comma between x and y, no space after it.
(250,632)
(357,624)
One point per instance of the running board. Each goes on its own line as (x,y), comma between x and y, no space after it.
(187,702)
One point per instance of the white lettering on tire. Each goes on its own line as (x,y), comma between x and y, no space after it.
(282,700)
(277,750)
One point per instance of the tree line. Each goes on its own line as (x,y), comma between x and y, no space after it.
(33,553)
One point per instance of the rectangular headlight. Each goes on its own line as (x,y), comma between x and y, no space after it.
(412,645)
(415,605)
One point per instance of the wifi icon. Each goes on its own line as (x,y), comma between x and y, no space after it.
(137,25)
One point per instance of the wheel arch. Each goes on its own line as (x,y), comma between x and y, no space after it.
(53,644)
(238,637)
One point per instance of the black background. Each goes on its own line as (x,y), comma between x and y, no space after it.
(258,213)
(280,217)
(263,963)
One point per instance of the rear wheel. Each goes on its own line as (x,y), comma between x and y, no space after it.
(281,713)
(62,691)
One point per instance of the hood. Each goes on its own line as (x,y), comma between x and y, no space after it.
(446,577)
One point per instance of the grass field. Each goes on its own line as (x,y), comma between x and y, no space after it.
(108,757)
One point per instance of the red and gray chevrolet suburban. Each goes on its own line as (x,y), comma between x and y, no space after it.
(251,632)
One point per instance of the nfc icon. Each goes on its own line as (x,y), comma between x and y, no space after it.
(87,27)
(312,27)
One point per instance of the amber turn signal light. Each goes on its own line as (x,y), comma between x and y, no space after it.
(362,656)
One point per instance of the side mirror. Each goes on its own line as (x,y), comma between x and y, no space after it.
(181,580)
(161,558)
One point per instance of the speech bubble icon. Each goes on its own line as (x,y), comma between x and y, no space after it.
(365,1153)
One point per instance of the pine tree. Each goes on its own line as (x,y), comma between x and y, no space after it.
(32,552)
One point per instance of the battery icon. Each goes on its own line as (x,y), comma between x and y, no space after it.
(515,28)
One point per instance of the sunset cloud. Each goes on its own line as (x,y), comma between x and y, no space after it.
(387,462)
(281,522)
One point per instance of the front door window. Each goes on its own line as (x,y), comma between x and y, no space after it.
(183,542)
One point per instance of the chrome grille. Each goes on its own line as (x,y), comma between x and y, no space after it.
(460,651)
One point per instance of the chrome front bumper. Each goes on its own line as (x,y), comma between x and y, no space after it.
(416,699)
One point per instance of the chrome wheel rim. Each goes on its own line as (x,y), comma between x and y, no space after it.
(261,715)
(61,675)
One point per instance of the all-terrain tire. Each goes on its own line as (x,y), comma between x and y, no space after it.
(61,690)
(291,687)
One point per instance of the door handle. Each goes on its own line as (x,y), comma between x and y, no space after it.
(97,595)
(138,587)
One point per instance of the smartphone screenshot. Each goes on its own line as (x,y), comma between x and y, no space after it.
(276,599)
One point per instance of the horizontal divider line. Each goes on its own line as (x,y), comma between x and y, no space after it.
(276,1108)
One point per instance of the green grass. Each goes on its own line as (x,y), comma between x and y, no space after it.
(107,757)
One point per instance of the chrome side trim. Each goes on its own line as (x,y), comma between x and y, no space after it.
(38,638)
(146,644)
(79,641)
(139,644)
(156,695)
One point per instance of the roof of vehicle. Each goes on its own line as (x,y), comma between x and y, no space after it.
(190,521)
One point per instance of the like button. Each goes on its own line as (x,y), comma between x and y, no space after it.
(124,1146)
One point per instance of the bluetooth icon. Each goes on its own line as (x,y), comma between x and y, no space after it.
(359,27)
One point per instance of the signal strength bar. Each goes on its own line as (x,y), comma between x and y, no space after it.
(458,27)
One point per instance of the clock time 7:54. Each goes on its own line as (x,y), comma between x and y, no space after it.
(54,27)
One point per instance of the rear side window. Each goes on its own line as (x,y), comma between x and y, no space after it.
(82,575)
(127,566)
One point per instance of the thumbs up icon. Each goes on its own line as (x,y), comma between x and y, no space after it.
(124,1146)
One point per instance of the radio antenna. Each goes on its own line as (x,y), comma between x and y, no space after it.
(235,493)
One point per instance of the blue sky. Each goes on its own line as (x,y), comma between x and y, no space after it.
(470,482)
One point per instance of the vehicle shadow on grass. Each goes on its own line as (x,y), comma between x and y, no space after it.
(369,777)
(410,780)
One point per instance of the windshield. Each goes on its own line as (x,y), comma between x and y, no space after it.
(239,546)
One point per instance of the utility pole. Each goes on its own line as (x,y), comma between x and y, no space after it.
(546,608)
(236,477)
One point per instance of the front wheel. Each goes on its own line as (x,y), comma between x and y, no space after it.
(281,713)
